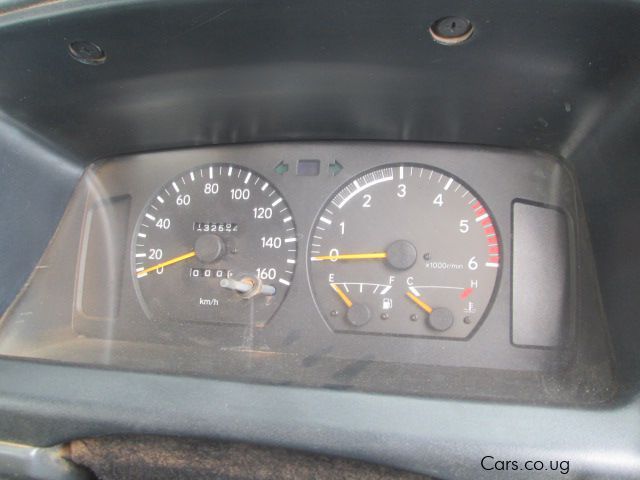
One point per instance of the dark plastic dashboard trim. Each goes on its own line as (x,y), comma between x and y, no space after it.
(443,438)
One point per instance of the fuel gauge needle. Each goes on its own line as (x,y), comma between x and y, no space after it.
(177,259)
(347,301)
(420,303)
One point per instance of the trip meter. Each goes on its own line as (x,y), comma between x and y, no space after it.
(404,250)
(216,244)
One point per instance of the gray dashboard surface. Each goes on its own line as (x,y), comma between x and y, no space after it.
(47,404)
(558,76)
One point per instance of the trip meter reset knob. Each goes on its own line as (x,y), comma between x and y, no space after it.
(248,287)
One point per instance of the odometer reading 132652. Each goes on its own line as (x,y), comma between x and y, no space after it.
(404,250)
(216,244)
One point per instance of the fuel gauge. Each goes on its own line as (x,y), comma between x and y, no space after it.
(361,301)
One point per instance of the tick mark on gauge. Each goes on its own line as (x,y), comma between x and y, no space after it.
(175,187)
(276,202)
(149,216)
(448,184)
(325,220)
(160,199)
(465,293)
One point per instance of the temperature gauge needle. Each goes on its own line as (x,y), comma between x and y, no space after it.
(180,258)
(420,303)
(350,256)
(347,301)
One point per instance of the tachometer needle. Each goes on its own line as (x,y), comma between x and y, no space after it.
(180,258)
(350,256)
(347,301)
(419,302)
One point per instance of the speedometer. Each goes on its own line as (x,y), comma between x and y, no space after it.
(216,244)
(404,250)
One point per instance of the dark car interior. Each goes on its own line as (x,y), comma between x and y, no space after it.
(255,240)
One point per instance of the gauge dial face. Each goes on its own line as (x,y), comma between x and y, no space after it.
(404,250)
(216,244)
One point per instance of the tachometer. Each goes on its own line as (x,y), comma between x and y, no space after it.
(216,244)
(404,250)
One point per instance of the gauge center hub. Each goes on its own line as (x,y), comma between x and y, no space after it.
(401,255)
(209,248)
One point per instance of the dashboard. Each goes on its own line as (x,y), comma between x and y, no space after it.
(319,239)
(323,264)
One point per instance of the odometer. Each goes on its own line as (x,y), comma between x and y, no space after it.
(216,244)
(404,250)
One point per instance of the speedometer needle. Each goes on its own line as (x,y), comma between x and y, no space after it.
(180,258)
(351,256)
(420,303)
